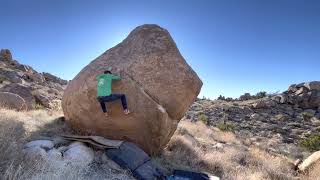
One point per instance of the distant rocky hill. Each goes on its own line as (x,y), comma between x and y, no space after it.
(281,123)
(23,88)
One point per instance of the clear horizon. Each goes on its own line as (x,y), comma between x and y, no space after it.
(234,46)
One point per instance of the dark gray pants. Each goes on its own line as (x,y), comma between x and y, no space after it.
(112,97)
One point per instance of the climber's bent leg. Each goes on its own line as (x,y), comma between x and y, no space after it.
(114,97)
(103,107)
(104,99)
(123,99)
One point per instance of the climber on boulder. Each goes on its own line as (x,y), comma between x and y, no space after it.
(104,94)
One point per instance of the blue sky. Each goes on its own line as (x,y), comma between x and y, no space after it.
(235,46)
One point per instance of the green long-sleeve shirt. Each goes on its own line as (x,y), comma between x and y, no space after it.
(104,84)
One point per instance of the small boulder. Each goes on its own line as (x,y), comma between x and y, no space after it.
(9,75)
(281,98)
(23,91)
(256,116)
(35,77)
(54,154)
(79,154)
(260,104)
(42,99)
(35,152)
(313,85)
(12,101)
(314,99)
(46,144)
(76,143)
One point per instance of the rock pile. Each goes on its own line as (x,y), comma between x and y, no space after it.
(75,153)
(278,123)
(148,61)
(303,95)
(23,82)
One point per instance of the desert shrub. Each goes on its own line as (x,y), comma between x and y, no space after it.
(2,79)
(221,98)
(230,162)
(281,117)
(39,106)
(311,142)
(203,118)
(245,96)
(226,126)
(306,116)
(261,94)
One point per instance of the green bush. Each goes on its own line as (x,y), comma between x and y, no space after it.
(306,116)
(203,118)
(39,106)
(226,127)
(312,142)
(261,94)
(282,117)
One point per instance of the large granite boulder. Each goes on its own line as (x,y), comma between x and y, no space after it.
(158,83)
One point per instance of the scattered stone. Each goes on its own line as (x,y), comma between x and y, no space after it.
(54,154)
(42,99)
(46,144)
(36,77)
(260,104)
(35,152)
(62,149)
(79,154)
(75,143)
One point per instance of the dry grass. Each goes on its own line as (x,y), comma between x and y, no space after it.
(17,128)
(197,147)
(194,146)
(314,173)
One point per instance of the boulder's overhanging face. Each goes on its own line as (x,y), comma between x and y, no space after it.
(158,83)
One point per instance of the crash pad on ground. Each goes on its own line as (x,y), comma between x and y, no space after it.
(131,157)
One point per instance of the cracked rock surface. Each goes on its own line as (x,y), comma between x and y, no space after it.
(158,83)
